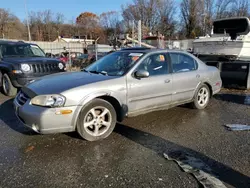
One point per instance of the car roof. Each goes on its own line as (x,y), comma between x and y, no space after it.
(13,42)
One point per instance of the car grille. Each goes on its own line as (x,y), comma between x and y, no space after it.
(22,98)
(45,68)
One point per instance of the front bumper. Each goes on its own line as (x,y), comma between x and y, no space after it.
(44,120)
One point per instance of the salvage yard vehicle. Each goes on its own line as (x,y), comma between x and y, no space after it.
(228,49)
(122,84)
(21,63)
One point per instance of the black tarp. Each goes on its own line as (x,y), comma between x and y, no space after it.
(234,26)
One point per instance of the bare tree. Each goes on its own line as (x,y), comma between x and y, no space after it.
(59,20)
(165,11)
(10,25)
(4,17)
(109,19)
(240,8)
(156,15)
(48,24)
(223,8)
(208,14)
(143,10)
(190,13)
(111,24)
(45,25)
(36,25)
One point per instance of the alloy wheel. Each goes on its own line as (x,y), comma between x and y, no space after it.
(97,121)
(203,96)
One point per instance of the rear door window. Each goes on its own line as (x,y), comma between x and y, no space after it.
(182,62)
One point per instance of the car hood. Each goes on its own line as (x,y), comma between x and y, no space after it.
(19,60)
(58,83)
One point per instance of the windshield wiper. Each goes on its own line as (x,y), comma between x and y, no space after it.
(104,73)
(96,72)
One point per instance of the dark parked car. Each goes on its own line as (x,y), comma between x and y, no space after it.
(80,60)
(86,59)
(63,57)
(50,55)
(21,63)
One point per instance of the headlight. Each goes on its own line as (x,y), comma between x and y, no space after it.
(49,100)
(61,66)
(25,67)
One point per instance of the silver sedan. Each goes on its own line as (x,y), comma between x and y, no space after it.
(122,84)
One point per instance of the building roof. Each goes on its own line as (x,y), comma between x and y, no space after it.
(74,40)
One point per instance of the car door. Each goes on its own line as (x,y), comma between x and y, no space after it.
(154,91)
(185,76)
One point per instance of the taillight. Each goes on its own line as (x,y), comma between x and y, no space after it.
(218,83)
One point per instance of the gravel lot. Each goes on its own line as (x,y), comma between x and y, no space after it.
(133,155)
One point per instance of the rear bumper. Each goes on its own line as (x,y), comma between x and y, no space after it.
(217,87)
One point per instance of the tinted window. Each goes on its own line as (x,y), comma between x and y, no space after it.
(22,50)
(155,64)
(231,26)
(182,62)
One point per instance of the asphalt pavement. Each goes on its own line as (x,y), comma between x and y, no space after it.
(133,155)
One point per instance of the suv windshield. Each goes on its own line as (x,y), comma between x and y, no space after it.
(115,64)
(21,50)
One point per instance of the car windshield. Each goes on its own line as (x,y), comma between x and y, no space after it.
(21,50)
(115,64)
(83,56)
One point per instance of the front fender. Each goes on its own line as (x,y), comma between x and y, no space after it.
(5,68)
(89,98)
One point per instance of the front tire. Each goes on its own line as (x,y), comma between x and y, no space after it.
(8,88)
(201,98)
(96,120)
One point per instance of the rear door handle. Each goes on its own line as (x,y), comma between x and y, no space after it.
(198,76)
(167,81)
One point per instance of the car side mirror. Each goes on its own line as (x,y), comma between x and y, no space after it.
(141,74)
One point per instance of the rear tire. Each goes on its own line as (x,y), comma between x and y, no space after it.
(201,98)
(96,120)
(8,88)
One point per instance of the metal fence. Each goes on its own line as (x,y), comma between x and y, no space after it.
(180,44)
(59,47)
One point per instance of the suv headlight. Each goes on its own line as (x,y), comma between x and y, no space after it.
(25,67)
(49,100)
(61,66)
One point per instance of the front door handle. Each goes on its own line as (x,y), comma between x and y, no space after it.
(167,81)
(198,76)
